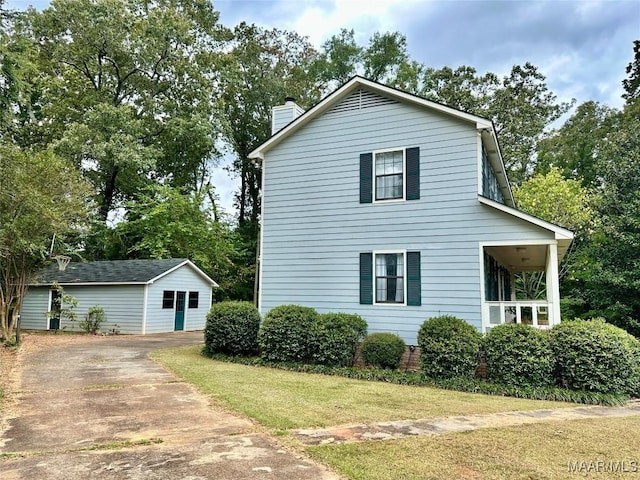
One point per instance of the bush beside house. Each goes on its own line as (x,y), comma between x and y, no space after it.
(383,350)
(593,355)
(589,360)
(336,337)
(285,335)
(449,347)
(518,355)
(232,328)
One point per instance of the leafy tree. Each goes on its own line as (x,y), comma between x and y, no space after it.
(384,59)
(127,89)
(41,195)
(263,67)
(339,59)
(631,84)
(520,105)
(165,222)
(384,56)
(610,280)
(574,147)
(564,202)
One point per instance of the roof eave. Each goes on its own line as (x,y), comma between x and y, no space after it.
(561,234)
(333,98)
(490,137)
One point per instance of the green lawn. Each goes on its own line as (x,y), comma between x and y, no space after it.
(283,400)
(538,451)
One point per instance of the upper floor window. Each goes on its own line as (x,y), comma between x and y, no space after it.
(392,174)
(389,173)
(490,185)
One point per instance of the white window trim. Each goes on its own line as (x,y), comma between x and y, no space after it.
(404,175)
(404,277)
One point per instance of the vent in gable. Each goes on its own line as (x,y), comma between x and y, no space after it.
(361,99)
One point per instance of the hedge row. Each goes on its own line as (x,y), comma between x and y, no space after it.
(590,356)
(288,333)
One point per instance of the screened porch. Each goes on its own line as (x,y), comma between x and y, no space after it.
(501,303)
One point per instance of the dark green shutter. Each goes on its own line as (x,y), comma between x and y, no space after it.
(413,173)
(366,278)
(414,296)
(366,177)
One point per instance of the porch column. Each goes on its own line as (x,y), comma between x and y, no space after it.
(553,284)
(512,280)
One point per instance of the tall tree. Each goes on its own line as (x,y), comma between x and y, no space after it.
(41,195)
(564,202)
(520,105)
(575,147)
(264,66)
(608,284)
(610,281)
(127,84)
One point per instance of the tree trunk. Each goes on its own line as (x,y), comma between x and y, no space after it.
(109,193)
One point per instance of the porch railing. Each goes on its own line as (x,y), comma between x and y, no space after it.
(537,313)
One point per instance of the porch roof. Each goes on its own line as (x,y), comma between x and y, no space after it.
(531,256)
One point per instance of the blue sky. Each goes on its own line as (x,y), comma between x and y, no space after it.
(582,47)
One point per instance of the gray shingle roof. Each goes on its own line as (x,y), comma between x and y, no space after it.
(111,271)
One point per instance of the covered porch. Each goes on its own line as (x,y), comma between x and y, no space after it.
(501,262)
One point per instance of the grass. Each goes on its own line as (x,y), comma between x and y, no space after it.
(537,451)
(281,399)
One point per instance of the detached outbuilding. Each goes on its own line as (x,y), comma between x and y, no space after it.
(138,296)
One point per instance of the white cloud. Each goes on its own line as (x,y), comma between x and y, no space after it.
(324,19)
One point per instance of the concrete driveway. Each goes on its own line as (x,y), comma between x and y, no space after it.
(100,408)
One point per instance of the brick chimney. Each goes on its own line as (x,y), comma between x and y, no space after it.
(282,115)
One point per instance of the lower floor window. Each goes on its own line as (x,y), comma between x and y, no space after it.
(193,299)
(167,299)
(389,277)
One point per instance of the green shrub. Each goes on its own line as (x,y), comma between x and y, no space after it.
(593,355)
(383,350)
(449,347)
(518,355)
(335,338)
(286,334)
(232,328)
(93,320)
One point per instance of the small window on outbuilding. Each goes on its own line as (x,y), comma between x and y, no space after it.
(167,299)
(193,299)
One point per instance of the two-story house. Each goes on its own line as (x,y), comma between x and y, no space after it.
(384,204)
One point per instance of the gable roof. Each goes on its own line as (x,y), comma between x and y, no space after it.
(484,126)
(561,234)
(116,272)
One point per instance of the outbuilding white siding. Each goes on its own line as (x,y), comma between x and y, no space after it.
(181,280)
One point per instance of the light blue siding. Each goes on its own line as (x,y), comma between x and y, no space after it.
(123,305)
(35,305)
(185,280)
(314,227)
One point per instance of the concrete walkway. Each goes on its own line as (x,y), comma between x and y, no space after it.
(436,426)
(98,408)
